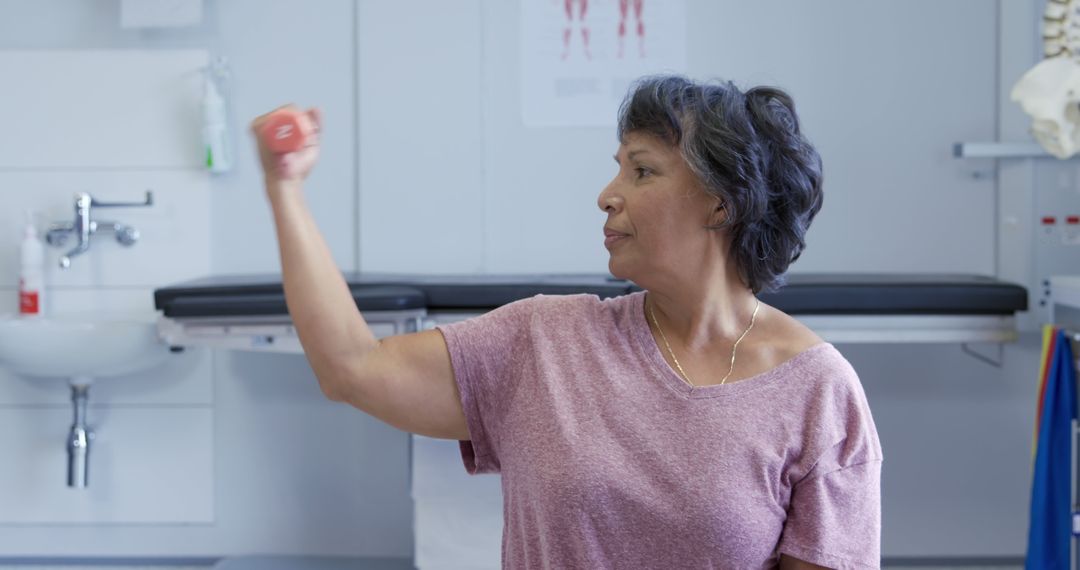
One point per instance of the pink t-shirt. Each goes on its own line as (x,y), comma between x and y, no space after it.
(609,460)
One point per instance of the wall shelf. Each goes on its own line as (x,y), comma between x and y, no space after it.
(1000,150)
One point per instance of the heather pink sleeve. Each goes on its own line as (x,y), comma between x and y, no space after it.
(487,353)
(834,518)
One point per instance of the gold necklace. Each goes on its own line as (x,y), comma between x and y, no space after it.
(733,349)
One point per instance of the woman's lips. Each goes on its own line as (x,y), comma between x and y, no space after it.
(611,239)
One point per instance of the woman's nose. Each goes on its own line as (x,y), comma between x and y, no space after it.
(609,201)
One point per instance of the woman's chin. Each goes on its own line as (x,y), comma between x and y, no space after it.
(616,270)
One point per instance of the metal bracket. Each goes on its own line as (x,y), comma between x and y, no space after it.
(995,363)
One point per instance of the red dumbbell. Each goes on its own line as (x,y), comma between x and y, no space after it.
(286,130)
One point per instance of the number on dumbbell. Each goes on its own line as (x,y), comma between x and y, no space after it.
(283,132)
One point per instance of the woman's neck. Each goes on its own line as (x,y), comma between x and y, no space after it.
(703,310)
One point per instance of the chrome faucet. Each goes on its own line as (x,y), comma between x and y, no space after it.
(79,438)
(84,226)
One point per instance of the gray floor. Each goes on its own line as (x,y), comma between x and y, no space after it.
(905,565)
(969,567)
(95,567)
(238,563)
(958,565)
(207,568)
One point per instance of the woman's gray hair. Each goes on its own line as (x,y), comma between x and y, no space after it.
(747,151)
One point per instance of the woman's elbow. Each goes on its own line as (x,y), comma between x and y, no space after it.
(344,378)
(331,392)
(330,377)
(329,386)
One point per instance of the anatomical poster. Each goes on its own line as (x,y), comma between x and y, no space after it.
(579,57)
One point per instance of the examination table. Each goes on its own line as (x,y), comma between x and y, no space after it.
(248,312)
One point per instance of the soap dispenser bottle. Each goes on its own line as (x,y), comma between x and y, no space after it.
(31,271)
(215,129)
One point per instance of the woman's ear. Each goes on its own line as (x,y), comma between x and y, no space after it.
(719,213)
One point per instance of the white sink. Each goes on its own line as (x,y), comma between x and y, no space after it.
(86,346)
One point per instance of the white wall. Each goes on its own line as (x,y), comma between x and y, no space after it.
(123,134)
(288,471)
(295,474)
(444,152)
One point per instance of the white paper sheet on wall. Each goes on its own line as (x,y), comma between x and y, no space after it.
(160,13)
(579,57)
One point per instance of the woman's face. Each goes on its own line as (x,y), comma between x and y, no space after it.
(656,212)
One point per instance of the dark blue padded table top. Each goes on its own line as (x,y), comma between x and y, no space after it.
(806,293)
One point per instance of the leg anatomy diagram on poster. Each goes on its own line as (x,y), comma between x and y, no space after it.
(579,57)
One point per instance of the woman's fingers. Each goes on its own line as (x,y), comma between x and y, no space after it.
(288,140)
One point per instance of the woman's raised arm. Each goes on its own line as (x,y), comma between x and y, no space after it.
(406,381)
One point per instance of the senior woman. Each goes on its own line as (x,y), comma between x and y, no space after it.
(686,426)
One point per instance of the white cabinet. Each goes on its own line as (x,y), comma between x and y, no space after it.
(458,517)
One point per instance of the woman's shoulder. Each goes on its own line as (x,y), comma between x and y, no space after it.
(583,313)
(820,369)
(793,334)
(581,303)
(567,312)
(825,392)
(827,388)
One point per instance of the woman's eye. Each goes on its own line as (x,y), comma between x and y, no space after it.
(642,172)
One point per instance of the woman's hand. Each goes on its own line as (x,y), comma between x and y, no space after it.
(288,170)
